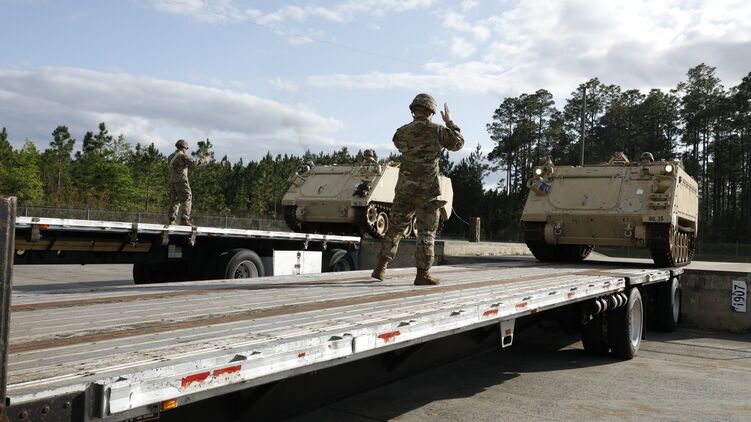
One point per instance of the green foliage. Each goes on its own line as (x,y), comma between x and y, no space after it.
(22,179)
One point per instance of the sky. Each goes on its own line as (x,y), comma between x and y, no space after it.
(287,76)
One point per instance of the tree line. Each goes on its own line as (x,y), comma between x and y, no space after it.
(699,121)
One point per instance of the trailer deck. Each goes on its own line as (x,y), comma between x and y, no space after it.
(122,352)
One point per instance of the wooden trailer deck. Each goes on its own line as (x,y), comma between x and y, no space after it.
(123,351)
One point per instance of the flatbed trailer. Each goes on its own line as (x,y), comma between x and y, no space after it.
(135,352)
(165,253)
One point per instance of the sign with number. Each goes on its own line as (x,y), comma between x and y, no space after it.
(738,296)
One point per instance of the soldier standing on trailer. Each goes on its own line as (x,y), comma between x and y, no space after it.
(178,164)
(417,189)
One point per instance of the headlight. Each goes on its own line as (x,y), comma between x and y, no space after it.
(538,171)
(668,168)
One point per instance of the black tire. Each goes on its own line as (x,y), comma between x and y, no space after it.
(241,263)
(625,326)
(337,260)
(668,304)
(594,337)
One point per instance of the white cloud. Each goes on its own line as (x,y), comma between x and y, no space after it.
(144,109)
(556,45)
(284,85)
(470,77)
(458,22)
(225,10)
(462,48)
(468,5)
(211,11)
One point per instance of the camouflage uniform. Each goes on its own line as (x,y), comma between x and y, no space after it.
(370,164)
(179,188)
(418,188)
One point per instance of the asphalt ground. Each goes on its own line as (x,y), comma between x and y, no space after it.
(685,375)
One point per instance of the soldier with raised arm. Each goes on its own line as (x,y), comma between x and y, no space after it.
(178,164)
(417,189)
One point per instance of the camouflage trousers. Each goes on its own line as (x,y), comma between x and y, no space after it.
(179,193)
(405,206)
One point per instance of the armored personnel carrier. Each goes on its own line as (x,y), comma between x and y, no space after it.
(646,204)
(348,199)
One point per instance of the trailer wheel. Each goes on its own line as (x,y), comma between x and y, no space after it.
(337,260)
(669,304)
(625,325)
(242,263)
(594,338)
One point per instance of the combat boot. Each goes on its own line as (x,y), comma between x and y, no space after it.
(424,278)
(187,222)
(379,271)
(171,222)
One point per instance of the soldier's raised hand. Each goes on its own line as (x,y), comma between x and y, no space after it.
(445,113)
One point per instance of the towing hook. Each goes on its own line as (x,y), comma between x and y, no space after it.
(628,231)
(558,229)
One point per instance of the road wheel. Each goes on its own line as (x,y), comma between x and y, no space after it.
(625,325)
(382,224)
(594,336)
(242,263)
(337,260)
(669,304)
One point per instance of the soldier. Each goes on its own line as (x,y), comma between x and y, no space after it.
(647,158)
(417,189)
(369,162)
(179,189)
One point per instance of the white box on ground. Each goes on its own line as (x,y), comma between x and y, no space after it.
(739,296)
(295,262)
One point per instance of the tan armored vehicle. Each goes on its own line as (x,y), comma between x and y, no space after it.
(647,204)
(347,199)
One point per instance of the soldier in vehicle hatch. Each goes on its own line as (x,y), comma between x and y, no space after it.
(417,189)
(178,164)
(369,161)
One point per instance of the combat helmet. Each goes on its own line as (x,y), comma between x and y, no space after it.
(181,144)
(647,157)
(368,153)
(424,101)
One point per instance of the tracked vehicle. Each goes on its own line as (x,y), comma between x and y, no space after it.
(646,204)
(346,199)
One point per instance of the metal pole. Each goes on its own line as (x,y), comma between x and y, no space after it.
(584,114)
(7,234)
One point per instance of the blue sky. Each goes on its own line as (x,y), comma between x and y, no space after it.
(284,76)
